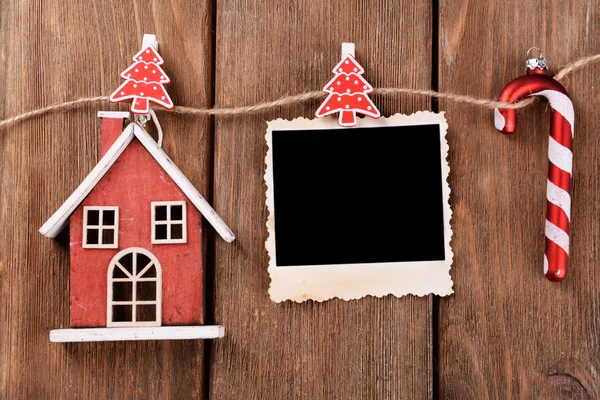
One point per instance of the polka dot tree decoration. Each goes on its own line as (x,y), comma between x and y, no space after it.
(348,93)
(144,82)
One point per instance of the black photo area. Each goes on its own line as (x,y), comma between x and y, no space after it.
(362,195)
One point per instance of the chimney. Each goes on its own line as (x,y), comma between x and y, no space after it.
(112,127)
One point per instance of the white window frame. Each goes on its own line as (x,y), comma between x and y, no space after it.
(168,222)
(100,227)
(134,278)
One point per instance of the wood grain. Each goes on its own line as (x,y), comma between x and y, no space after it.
(372,348)
(55,51)
(508,332)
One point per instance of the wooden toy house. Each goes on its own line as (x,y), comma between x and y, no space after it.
(135,244)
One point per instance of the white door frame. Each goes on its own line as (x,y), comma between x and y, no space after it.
(136,277)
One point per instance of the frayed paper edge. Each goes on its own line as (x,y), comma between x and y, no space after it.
(303,283)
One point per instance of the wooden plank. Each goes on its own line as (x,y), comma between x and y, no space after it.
(508,332)
(53,52)
(370,348)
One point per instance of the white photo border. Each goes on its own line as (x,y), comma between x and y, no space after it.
(353,281)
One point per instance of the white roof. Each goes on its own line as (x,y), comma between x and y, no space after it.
(59,220)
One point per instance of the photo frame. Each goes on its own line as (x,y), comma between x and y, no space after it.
(360,211)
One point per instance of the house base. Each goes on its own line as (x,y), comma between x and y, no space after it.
(141,333)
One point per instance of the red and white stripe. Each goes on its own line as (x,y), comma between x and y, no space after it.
(560,164)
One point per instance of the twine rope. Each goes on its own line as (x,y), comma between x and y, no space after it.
(159,131)
(299,98)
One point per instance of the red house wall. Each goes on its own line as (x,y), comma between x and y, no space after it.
(133,182)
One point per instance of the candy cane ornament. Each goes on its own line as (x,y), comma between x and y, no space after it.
(558,214)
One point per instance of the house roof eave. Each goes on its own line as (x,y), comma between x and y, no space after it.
(60,218)
(57,222)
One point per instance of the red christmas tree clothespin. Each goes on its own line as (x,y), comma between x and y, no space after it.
(348,91)
(144,80)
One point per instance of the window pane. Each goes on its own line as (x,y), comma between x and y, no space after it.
(108,236)
(127,262)
(146,290)
(122,291)
(150,273)
(108,217)
(118,272)
(160,213)
(146,312)
(92,236)
(176,231)
(177,213)
(142,262)
(93,217)
(160,232)
(122,313)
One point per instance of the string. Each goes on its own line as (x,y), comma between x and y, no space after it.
(159,131)
(299,98)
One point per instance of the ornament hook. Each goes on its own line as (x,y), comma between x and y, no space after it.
(142,120)
(540,52)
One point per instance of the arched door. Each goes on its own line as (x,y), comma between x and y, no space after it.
(134,289)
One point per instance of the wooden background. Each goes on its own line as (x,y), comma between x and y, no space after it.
(505,333)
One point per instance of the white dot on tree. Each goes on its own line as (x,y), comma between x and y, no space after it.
(369,107)
(128,75)
(153,71)
(340,70)
(162,77)
(135,85)
(339,99)
(327,108)
(339,82)
(154,59)
(145,78)
(356,82)
(148,51)
(141,93)
(347,78)
(122,93)
(140,58)
(146,67)
(162,98)
(137,70)
(355,69)
(347,106)
(364,86)
(154,88)
(347,62)
(359,99)
(348,90)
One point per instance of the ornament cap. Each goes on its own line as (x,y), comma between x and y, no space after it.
(537,65)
